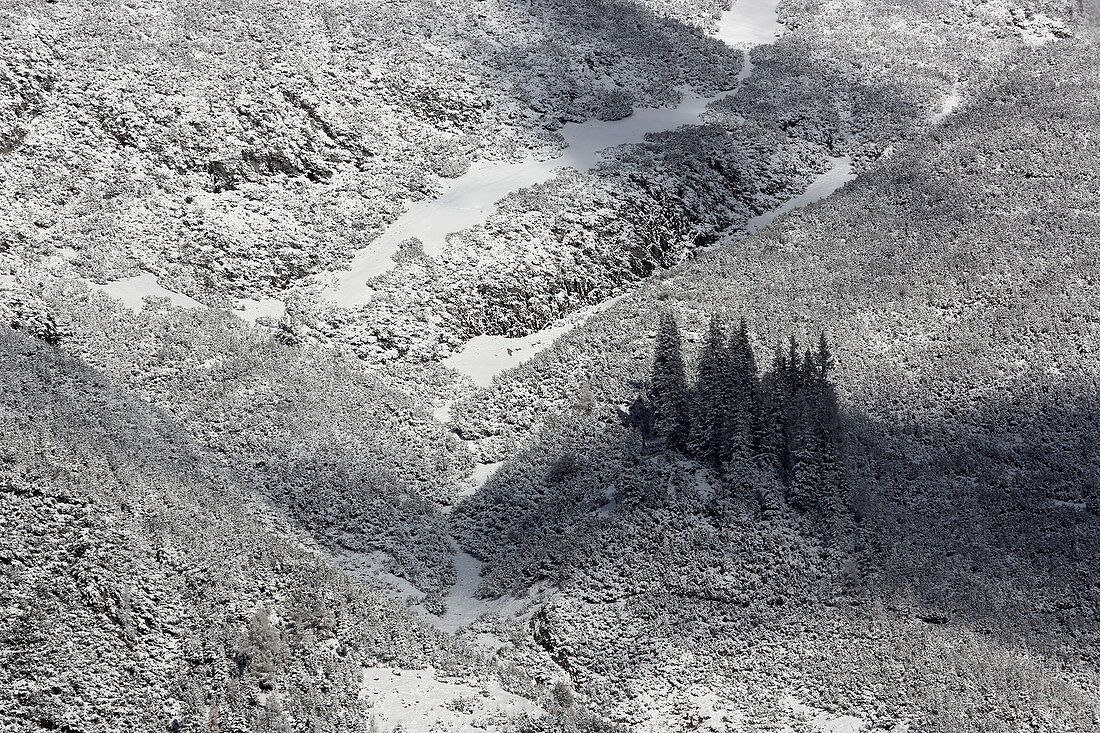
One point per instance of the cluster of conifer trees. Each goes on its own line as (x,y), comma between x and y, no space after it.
(773,435)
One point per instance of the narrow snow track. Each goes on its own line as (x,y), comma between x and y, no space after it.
(840,172)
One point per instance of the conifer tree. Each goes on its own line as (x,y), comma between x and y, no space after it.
(828,449)
(745,389)
(742,389)
(709,406)
(768,490)
(639,418)
(794,364)
(810,375)
(668,386)
(773,437)
(823,358)
(802,481)
(777,396)
(799,431)
(814,478)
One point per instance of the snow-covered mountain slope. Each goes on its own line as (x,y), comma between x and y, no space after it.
(956,283)
(143,589)
(357,464)
(833,86)
(185,488)
(232,148)
(237,150)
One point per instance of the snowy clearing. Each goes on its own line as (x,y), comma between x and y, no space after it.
(133,290)
(252,310)
(714,714)
(749,23)
(418,700)
(464,607)
(951,102)
(826,722)
(473,197)
(370,567)
(823,721)
(484,357)
(482,473)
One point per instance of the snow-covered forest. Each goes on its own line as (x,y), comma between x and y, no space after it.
(549,366)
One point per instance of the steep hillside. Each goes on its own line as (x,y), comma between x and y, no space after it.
(144,590)
(357,464)
(955,281)
(248,149)
(232,148)
(833,86)
(183,486)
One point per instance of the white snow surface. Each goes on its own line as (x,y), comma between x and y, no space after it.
(132,291)
(826,722)
(463,605)
(749,23)
(484,357)
(482,473)
(472,198)
(370,567)
(839,173)
(251,310)
(420,700)
(950,103)
(715,715)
